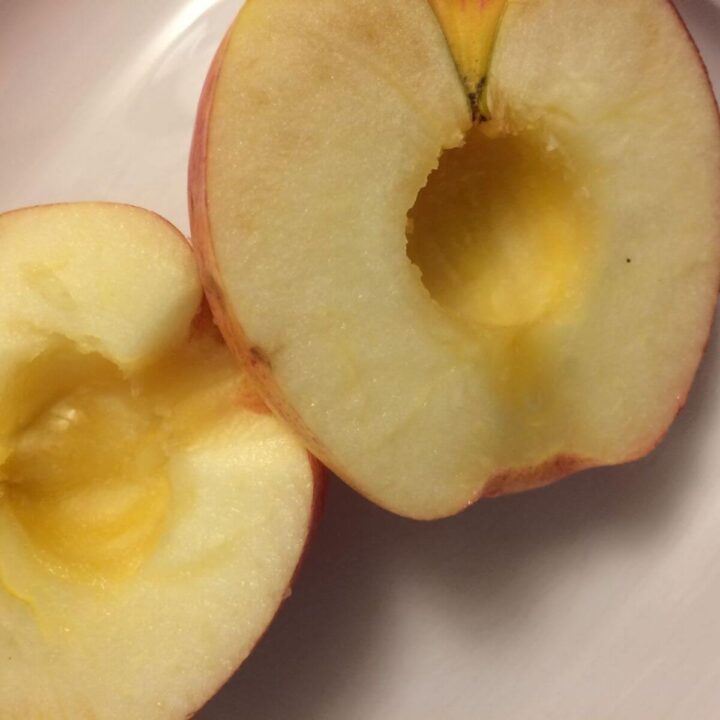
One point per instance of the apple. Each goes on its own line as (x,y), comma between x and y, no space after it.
(467,248)
(152,511)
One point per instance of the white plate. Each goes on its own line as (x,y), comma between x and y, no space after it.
(595,599)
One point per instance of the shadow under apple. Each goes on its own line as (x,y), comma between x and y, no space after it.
(484,571)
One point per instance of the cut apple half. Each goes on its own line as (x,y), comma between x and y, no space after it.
(152,511)
(461,263)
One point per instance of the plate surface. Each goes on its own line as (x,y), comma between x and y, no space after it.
(595,599)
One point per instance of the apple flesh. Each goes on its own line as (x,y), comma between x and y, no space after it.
(152,512)
(449,304)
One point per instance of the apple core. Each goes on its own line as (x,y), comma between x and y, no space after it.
(501,232)
(85,475)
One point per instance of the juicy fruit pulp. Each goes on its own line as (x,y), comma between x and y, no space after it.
(453,296)
(152,512)
(86,472)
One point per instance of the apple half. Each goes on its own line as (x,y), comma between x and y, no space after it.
(152,511)
(461,263)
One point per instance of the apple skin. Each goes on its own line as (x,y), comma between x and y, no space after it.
(254,361)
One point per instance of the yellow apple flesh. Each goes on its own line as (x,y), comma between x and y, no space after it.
(152,511)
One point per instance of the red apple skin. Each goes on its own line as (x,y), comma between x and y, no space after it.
(253,359)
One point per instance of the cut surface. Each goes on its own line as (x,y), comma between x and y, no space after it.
(445,310)
(152,512)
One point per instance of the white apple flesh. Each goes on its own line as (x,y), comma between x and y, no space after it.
(456,294)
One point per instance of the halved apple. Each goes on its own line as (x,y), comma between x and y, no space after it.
(152,512)
(461,276)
